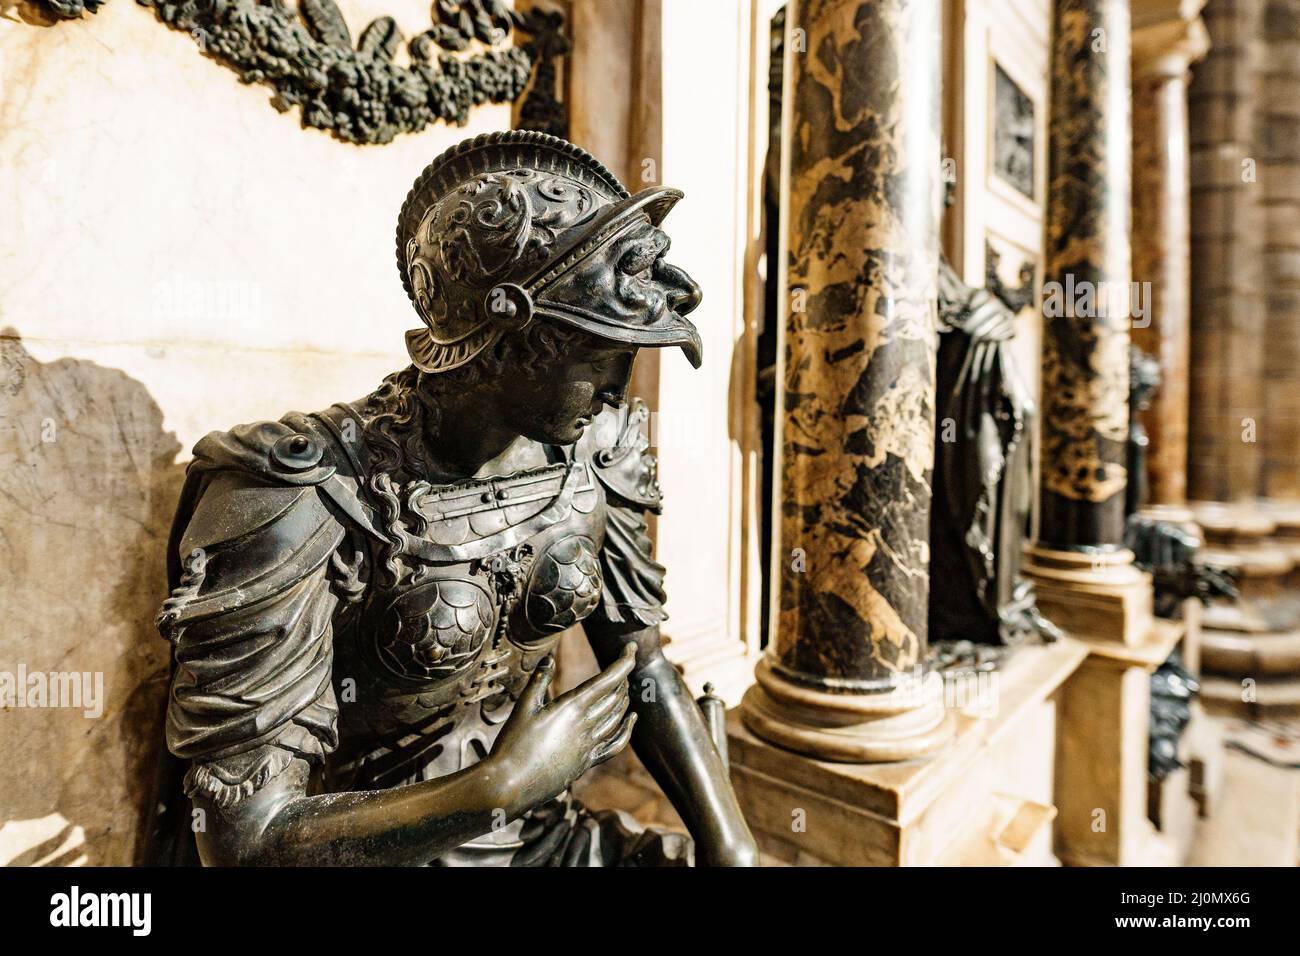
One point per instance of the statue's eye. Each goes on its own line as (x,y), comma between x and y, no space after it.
(639,258)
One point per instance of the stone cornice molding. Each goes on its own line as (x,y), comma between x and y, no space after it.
(1168,37)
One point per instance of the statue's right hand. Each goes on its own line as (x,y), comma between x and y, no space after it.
(544,747)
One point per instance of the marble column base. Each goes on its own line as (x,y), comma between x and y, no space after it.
(1286,534)
(1251,646)
(985,799)
(1177,514)
(1267,698)
(1244,537)
(900,724)
(1095,596)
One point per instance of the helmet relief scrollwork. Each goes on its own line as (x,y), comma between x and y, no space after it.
(472,241)
(512,226)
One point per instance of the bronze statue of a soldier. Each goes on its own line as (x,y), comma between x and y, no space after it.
(366,599)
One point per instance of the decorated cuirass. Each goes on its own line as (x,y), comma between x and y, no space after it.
(513,555)
(500,568)
(385,627)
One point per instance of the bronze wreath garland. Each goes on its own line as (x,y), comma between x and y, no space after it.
(359,94)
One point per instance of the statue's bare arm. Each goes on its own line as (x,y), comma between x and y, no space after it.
(674,743)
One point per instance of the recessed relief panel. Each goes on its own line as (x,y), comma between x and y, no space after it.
(1013,133)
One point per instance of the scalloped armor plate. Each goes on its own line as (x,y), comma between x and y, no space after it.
(564,586)
(435,629)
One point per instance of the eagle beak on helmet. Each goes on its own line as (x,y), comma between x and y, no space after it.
(693,347)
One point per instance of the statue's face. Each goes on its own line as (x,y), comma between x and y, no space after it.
(554,405)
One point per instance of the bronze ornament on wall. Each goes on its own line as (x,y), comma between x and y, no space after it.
(68,9)
(1018,297)
(357,91)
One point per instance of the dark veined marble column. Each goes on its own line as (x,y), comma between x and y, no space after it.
(1086,303)
(842,677)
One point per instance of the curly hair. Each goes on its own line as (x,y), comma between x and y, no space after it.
(408,401)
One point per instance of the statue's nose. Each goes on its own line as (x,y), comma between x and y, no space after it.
(683,294)
(614,391)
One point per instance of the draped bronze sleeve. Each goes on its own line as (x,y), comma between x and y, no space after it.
(633,591)
(250,616)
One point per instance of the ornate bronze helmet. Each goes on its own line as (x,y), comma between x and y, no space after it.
(512,226)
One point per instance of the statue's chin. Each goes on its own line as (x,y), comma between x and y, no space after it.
(557,434)
(573,434)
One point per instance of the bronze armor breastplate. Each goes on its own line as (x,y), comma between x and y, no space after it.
(501,567)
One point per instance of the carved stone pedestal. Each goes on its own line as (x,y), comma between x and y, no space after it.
(1099,594)
(1104,803)
(986,799)
(1101,769)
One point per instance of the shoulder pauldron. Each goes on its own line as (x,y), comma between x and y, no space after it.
(253,517)
(621,456)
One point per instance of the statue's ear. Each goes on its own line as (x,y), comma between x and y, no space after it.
(509,306)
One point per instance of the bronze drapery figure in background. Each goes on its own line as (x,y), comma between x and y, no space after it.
(983,484)
(365,600)
(1166,549)
(1143,380)
(1173,688)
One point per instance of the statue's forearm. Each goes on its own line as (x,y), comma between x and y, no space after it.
(405,826)
(674,743)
